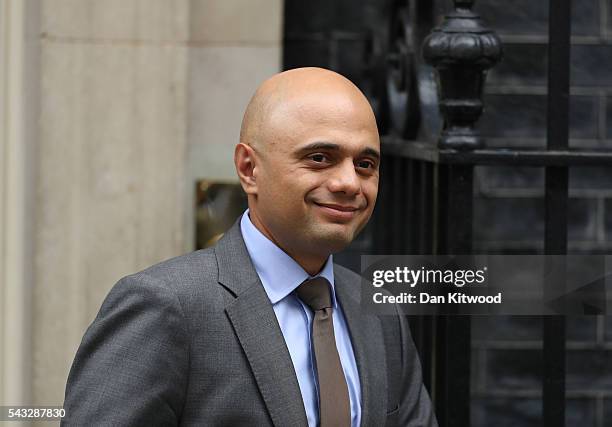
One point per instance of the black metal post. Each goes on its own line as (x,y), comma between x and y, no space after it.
(383,213)
(453,334)
(556,181)
(461,50)
(426,201)
(398,219)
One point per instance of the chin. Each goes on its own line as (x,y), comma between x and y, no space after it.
(336,240)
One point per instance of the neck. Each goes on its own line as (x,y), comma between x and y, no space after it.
(312,264)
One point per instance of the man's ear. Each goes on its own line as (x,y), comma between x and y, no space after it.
(244,160)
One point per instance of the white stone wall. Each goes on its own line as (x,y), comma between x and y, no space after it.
(136,100)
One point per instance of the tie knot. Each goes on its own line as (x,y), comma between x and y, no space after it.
(315,293)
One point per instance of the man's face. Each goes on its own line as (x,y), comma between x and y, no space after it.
(317,177)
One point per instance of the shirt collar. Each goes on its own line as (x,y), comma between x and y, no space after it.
(278,272)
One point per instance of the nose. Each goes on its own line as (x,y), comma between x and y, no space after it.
(345,179)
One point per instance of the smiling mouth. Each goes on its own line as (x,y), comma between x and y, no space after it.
(338,212)
(340,208)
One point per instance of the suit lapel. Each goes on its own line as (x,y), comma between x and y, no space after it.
(368,346)
(258,332)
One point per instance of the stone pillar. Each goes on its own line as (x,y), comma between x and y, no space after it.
(127,103)
(18,116)
(111,168)
(110,112)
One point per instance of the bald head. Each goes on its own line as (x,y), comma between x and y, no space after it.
(308,161)
(297,92)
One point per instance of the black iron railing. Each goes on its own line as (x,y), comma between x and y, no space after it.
(426,189)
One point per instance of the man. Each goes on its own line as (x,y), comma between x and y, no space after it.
(263,329)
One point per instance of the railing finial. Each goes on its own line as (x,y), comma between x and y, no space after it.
(462,49)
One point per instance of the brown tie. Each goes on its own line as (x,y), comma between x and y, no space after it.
(334,406)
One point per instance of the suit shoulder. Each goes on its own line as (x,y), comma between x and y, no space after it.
(183,276)
(189,280)
(194,266)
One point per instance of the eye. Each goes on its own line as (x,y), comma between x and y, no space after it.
(318,158)
(365,164)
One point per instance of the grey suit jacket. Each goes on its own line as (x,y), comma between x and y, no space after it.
(195,341)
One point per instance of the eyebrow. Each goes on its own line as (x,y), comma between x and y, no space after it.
(335,147)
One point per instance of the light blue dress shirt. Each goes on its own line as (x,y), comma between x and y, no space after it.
(280,276)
